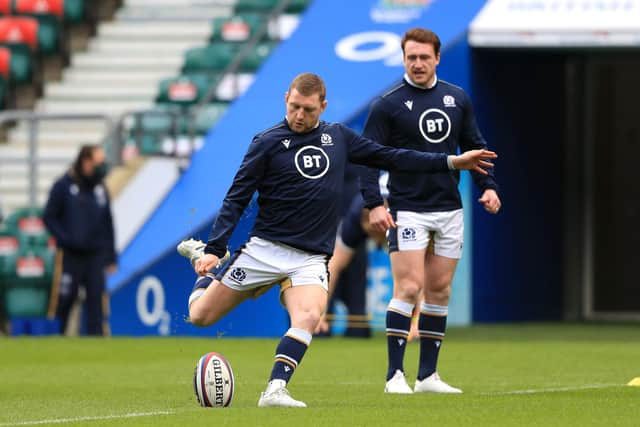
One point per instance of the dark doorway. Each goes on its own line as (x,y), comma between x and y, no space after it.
(615,123)
(566,243)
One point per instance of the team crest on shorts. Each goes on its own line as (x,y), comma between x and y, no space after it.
(238,274)
(408,234)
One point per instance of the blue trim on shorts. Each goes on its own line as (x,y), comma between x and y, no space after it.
(392,234)
(229,263)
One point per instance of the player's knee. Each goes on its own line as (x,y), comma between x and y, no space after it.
(199,316)
(408,291)
(308,318)
(440,293)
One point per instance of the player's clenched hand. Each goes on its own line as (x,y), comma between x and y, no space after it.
(380,219)
(204,264)
(474,160)
(490,201)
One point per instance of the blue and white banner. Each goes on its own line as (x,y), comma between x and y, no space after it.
(557,23)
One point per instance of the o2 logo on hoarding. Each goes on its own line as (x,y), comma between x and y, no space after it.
(153,314)
(371,46)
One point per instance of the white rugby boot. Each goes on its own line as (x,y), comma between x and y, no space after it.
(193,249)
(397,384)
(433,384)
(279,397)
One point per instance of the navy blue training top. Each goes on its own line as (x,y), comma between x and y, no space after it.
(299,179)
(439,119)
(79,216)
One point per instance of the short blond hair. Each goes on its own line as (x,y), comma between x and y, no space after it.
(308,84)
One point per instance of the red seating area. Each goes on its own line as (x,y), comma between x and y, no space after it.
(19,30)
(5,7)
(5,63)
(38,7)
(40,35)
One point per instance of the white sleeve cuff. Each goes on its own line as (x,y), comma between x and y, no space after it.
(450,162)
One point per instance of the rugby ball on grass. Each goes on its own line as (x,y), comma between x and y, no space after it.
(213,381)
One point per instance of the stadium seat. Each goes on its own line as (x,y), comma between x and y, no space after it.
(38,7)
(49,14)
(49,34)
(34,266)
(8,251)
(5,7)
(238,28)
(210,58)
(19,30)
(20,35)
(27,225)
(152,129)
(5,62)
(74,10)
(25,220)
(186,89)
(28,285)
(266,6)
(253,61)
(206,117)
(21,65)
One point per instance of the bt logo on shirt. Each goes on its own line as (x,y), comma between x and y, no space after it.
(435,125)
(312,162)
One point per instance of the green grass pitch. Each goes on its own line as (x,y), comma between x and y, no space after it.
(543,375)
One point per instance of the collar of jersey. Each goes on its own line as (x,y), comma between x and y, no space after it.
(286,120)
(411,83)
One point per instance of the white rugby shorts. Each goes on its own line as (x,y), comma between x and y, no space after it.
(417,230)
(261,264)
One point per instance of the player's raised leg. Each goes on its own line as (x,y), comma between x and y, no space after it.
(209,300)
(305,305)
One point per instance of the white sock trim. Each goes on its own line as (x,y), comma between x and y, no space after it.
(195,295)
(300,335)
(401,306)
(440,310)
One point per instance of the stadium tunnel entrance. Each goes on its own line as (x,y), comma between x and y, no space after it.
(564,122)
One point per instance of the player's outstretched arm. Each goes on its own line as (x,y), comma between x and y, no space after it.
(474,160)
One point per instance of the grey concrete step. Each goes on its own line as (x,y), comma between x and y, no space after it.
(173,12)
(112,108)
(107,62)
(59,91)
(198,30)
(60,138)
(116,77)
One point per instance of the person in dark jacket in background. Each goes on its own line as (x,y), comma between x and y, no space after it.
(78,215)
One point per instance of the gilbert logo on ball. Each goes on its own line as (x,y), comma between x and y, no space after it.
(213,381)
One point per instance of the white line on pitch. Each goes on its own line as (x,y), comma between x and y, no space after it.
(88,418)
(551,390)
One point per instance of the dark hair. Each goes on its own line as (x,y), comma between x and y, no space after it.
(86,152)
(422,35)
(308,84)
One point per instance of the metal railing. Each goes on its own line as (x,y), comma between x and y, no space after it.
(112,145)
